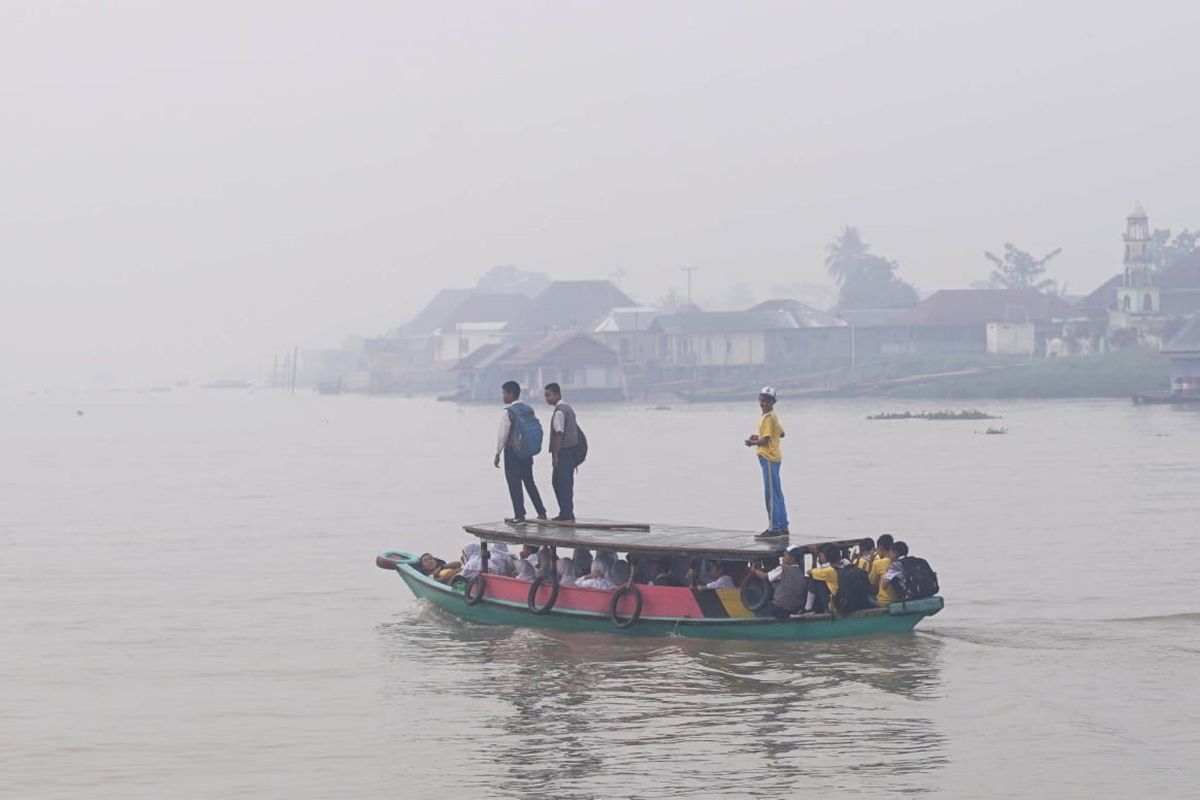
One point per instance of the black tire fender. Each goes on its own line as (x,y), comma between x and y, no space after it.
(617,596)
(538,582)
(764,595)
(476,586)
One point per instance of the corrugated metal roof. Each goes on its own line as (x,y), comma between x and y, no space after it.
(805,315)
(725,322)
(488,307)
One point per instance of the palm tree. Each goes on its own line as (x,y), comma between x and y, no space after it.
(844,253)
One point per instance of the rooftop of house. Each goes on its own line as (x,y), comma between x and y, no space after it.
(563,349)
(1187,340)
(979,306)
(725,322)
(441,306)
(626,320)
(870,317)
(805,315)
(570,305)
(487,307)
(485,356)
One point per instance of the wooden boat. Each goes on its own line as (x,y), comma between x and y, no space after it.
(638,608)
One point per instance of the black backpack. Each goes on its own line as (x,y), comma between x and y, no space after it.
(920,581)
(854,590)
(581,448)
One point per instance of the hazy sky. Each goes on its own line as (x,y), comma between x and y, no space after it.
(186,188)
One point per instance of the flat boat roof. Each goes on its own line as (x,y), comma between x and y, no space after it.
(638,537)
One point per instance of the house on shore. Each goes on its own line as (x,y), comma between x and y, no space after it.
(566,306)
(1002,321)
(584,367)
(724,339)
(1184,352)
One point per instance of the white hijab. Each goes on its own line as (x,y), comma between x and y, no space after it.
(603,563)
(566,572)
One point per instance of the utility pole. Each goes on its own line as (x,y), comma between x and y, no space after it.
(689,271)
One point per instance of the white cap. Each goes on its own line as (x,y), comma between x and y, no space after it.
(769,391)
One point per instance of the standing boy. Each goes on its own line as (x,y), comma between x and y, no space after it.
(770,455)
(516,427)
(564,452)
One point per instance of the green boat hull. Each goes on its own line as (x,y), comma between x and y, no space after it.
(899,618)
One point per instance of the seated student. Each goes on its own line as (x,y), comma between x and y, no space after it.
(879,565)
(663,574)
(528,563)
(500,561)
(865,555)
(824,583)
(583,560)
(601,575)
(567,576)
(788,584)
(717,577)
(893,578)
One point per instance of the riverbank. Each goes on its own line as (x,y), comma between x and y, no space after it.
(1117,374)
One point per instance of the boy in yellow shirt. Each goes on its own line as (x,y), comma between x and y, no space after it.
(823,583)
(884,594)
(766,444)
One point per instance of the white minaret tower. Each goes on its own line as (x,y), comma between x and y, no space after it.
(1138,294)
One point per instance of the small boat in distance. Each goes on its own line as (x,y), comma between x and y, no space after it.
(639,608)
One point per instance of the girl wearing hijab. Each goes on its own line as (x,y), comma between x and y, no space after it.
(601,576)
(567,576)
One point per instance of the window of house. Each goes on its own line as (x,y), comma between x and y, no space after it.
(1128,303)
(1147,303)
(464,346)
(568,377)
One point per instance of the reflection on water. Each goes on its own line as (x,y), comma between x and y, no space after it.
(587,714)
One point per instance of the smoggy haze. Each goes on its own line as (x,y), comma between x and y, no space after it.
(188,188)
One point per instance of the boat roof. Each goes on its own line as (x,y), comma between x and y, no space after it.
(641,537)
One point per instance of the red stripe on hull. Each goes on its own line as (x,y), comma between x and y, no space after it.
(657,601)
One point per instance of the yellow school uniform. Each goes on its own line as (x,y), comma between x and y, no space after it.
(878,567)
(829,575)
(886,595)
(769,426)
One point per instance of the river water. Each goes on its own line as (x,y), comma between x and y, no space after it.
(189,606)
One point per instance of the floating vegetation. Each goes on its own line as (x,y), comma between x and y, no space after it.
(964,414)
(995,431)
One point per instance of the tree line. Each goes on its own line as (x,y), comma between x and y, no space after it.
(867,280)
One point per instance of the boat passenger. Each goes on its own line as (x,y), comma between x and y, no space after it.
(601,576)
(566,451)
(664,575)
(766,444)
(520,431)
(717,577)
(893,579)
(567,576)
(428,564)
(528,563)
(500,561)
(789,586)
(884,594)
(866,554)
(824,584)
(583,560)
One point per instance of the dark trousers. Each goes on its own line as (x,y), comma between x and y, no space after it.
(519,471)
(563,481)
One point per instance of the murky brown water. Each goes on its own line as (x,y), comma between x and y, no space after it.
(190,607)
